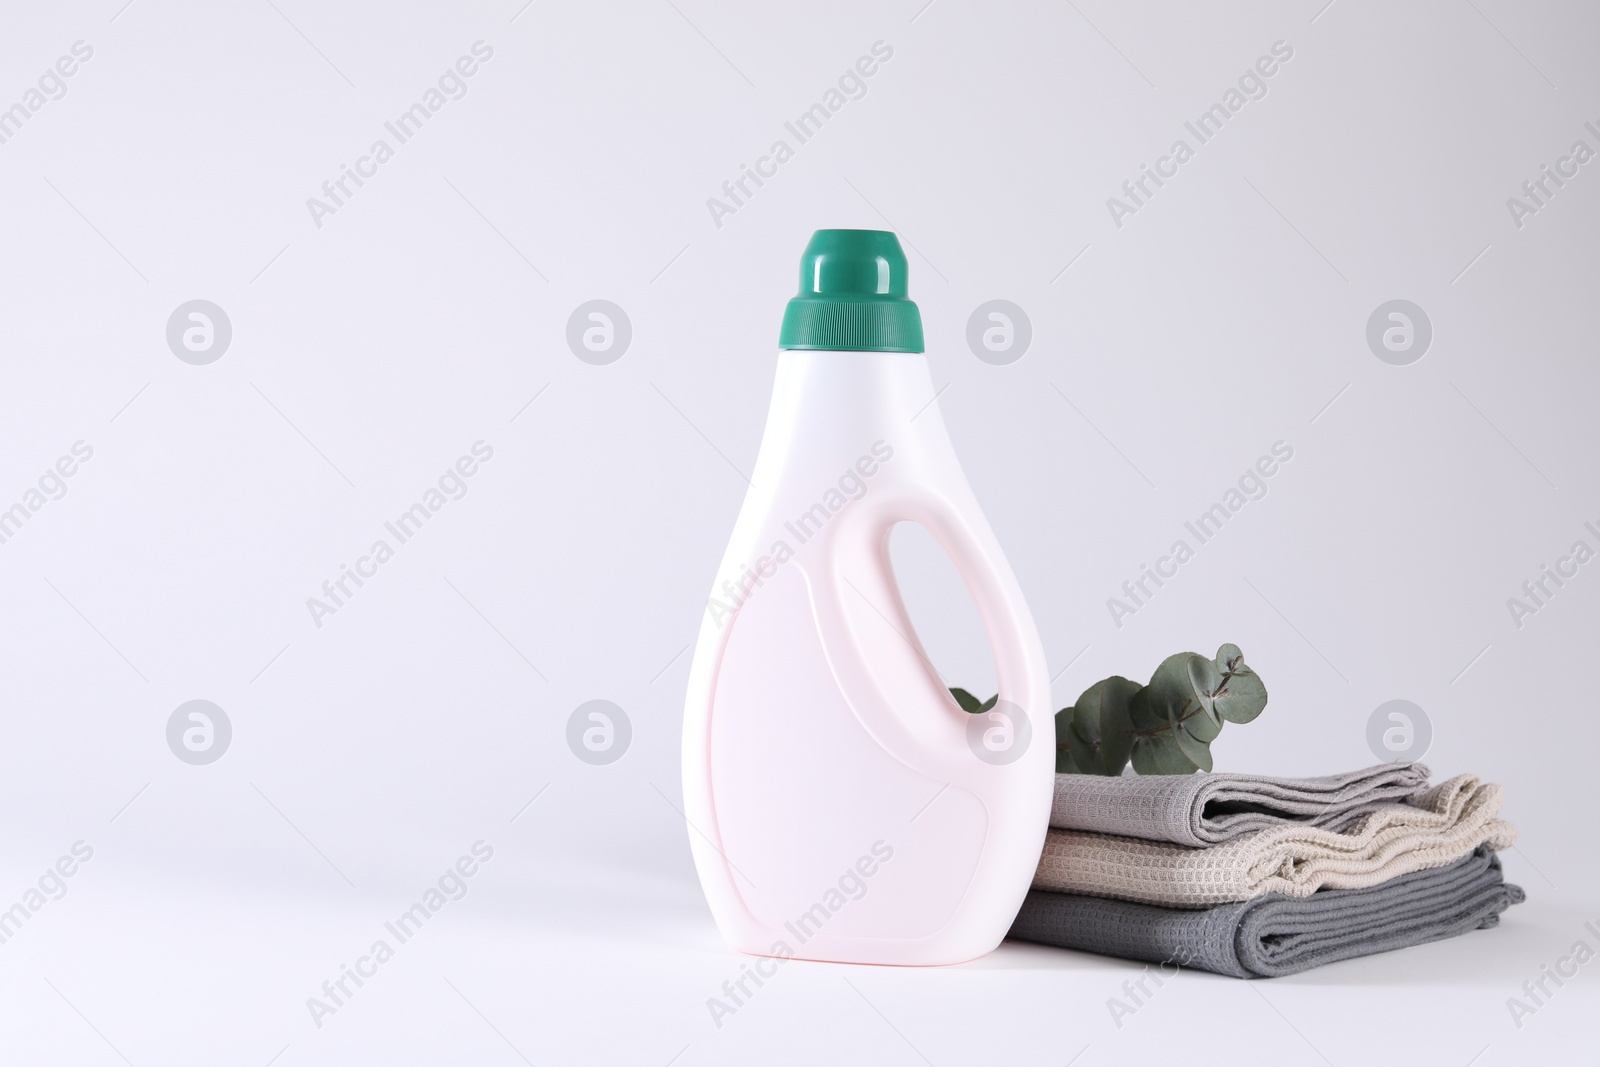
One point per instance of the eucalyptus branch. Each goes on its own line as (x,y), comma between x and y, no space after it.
(1165,727)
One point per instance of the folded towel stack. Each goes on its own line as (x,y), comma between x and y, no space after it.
(1252,876)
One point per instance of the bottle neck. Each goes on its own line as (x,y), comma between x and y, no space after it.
(879,390)
(831,408)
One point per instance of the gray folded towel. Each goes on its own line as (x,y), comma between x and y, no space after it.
(1433,829)
(1206,809)
(1276,935)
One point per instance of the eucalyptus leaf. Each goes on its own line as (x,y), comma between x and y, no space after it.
(1160,755)
(1100,721)
(1196,751)
(989,704)
(1084,753)
(1083,741)
(1205,678)
(1116,724)
(1171,692)
(1240,696)
(969,703)
(1146,713)
(1065,764)
(1204,726)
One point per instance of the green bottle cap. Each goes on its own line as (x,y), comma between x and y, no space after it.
(852,296)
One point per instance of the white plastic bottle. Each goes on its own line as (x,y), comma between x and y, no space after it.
(841,805)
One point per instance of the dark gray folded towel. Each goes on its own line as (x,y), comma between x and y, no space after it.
(1275,935)
(1207,809)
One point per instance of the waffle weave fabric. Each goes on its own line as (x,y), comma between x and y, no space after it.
(1207,809)
(1433,829)
(1275,935)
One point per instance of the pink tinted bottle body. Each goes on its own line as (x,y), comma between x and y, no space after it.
(842,807)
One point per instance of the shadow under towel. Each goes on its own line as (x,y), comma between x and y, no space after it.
(1432,830)
(1275,935)
(1207,809)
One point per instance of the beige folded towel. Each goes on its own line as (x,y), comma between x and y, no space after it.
(1430,830)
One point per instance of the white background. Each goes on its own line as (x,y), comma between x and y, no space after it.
(372,351)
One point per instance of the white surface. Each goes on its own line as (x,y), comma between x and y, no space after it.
(367,355)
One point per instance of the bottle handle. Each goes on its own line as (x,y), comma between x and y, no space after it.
(855,569)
